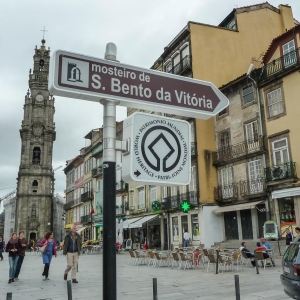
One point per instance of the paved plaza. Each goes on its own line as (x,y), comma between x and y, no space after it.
(135,282)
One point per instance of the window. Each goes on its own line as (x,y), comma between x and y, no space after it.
(275,106)
(193,182)
(182,189)
(141,195)
(152,193)
(226,178)
(248,95)
(255,172)
(289,54)
(131,199)
(252,132)
(98,186)
(164,192)
(231,24)
(280,152)
(176,59)
(174,191)
(36,157)
(168,68)
(35,183)
(224,140)
(185,52)
(195,228)
(175,229)
(223,112)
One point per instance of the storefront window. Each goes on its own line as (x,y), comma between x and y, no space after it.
(286,210)
(195,228)
(175,229)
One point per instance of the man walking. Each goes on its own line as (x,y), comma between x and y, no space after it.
(186,238)
(288,238)
(21,254)
(72,248)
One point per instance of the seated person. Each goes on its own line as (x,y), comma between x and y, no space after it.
(260,248)
(248,253)
(264,243)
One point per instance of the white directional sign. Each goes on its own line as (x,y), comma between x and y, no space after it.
(88,78)
(159,150)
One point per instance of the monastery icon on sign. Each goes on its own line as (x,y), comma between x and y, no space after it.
(74,73)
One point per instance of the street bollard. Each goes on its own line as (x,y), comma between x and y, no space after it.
(69,286)
(256,263)
(155,289)
(237,287)
(9,296)
(217,262)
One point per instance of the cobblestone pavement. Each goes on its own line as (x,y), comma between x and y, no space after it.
(135,282)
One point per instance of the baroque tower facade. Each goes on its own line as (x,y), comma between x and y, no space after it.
(35,187)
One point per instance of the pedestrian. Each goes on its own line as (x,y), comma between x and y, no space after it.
(13,247)
(72,248)
(288,238)
(21,254)
(2,247)
(297,238)
(50,250)
(186,239)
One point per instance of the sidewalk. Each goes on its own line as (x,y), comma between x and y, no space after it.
(135,282)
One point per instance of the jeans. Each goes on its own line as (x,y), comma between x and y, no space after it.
(13,260)
(186,243)
(1,256)
(19,265)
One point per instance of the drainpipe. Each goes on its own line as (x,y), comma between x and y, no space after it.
(268,204)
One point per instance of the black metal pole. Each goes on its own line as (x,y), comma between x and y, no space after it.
(256,263)
(217,262)
(109,231)
(155,289)
(237,287)
(69,287)
(9,296)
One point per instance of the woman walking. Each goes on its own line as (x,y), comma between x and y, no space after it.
(1,247)
(49,252)
(13,247)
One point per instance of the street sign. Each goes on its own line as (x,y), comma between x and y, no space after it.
(88,78)
(159,151)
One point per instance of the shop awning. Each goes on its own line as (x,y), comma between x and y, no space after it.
(139,223)
(127,222)
(99,225)
(81,229)
(286,193)
(248,205)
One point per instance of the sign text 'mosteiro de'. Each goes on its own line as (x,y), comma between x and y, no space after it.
(87,78)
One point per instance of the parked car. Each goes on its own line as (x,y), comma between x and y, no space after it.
(290,278)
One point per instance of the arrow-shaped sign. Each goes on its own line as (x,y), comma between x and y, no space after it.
(137,173)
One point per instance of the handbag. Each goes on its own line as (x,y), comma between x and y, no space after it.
(43,249)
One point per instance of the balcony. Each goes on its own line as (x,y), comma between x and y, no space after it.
(281,172)
(89,195)
(121,186)
(253,187)
(282,64)
(192,197)
(120,210)
(69,204)
(231,153)
(171,202)
(226,192)
(97,171)
(86,219)
(182,66)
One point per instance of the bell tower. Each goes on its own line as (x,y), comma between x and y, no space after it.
(35,187)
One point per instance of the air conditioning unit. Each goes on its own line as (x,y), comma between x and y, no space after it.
(278,173)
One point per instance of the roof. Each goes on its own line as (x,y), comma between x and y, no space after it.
(71,163)
(273,45)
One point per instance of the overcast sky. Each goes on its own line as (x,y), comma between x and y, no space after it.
(140,29)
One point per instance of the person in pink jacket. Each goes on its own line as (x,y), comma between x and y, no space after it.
(49,252)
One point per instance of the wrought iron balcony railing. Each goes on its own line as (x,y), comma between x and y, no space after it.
(97,171)
(121,185)
(119,210)
(141,206)
(223,192)
(69,204)
(238,150)
(192,197)
(280,172)
(86,219)
(89,195)
(252,187)
(182,65)
(282,63)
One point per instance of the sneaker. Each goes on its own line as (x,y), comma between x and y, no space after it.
(74,281)
(12,280)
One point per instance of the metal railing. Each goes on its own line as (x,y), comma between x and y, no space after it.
(229,191)
(192,197)
(89,195)
(237,150)
(280,172)
(97,171)
(121,185)
(85,219)
(120,210)
(182,65)
(69,204)
(251,187)
(282,63)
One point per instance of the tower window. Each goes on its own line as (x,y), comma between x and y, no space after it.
(35,183)
(36,157)
(42,63)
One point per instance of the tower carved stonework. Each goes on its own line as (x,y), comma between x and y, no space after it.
(34,208)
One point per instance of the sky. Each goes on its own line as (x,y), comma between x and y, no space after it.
(140,29)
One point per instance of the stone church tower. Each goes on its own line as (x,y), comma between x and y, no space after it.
(35,187)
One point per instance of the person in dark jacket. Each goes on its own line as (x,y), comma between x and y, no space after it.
(2,247)
(21,254)
(49,252)
(72,248)
(13,247)
(288,238)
